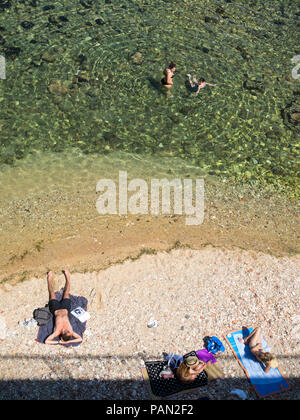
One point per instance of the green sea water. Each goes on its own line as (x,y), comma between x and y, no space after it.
(86,75)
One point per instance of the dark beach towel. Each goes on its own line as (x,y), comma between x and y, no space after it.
(78,326)
(166,387)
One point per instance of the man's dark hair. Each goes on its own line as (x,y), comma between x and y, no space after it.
(66,337)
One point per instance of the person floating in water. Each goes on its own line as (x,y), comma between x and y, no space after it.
(169,74)
(196,85)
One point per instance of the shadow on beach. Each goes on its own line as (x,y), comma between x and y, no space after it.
(122,389)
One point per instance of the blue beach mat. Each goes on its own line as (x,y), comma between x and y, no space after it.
(264,383)
(78,326)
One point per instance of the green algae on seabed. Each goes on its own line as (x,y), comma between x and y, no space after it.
(83,74)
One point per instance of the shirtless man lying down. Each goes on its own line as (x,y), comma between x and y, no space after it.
(60,311)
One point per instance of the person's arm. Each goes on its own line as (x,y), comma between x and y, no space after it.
(49,340)
(198,90)
(267,368)
(211,84)
(200,368)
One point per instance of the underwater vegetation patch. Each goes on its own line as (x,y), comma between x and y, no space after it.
(86,74)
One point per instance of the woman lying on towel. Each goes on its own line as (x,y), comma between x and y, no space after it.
(255,345)
(190,368)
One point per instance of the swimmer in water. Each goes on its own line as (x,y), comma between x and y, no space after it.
(168,75)
(196,85)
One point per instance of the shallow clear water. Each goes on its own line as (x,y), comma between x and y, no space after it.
(74,172)
(236,129)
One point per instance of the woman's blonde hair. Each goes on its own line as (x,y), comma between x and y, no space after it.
(269,359)
(184,368)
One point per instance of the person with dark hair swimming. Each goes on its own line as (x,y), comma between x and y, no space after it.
(169,74)
(196,85)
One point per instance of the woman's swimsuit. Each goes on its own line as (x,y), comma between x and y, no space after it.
(255,345)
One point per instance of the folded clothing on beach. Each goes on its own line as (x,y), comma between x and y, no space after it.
(264,383)
(213,344)
(205,356)
(78,326)
(165,387)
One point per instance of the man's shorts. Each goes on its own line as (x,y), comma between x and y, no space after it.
(55,305)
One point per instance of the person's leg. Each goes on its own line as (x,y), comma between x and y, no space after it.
(254,338)
(50,285)
(66,294)
(191,80)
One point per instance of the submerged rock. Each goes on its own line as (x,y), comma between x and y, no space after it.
(11,51)
(274,133)
(291,114)
(63,18)
(36,61)
(211,19)
(254,86)
(81,58)
(48,57)
(83,78)
(111,138)
(5,4)
(99,21)
(52,20)
(137,58)
(27,25)
(48,7)
(295,117)
(86,3)
(244,52)
(187,110)
(57,88)
(220,10)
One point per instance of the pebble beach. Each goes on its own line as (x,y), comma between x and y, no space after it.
(190,293)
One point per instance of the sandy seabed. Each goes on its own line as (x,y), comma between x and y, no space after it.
(191,293)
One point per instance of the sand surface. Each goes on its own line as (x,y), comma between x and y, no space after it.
(58,227)
(191,293)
